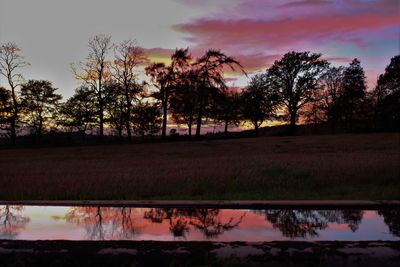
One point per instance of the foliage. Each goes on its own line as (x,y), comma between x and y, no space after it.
(387,96)
(295,78)
(5,108)
(79,111)
(258,102)
(354,91)
(39,102)
(146,119)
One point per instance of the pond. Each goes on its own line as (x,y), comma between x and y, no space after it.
(190,224)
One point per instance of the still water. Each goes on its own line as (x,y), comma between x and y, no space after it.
(178,224)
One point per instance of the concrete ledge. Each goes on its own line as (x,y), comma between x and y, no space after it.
(150,253)
(233,204)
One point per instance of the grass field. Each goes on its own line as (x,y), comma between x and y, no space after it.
(365,166)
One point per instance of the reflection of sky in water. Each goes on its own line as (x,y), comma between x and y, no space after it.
(52,223)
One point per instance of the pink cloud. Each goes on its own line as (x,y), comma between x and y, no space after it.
(284,32)
(338,59)
(254,62)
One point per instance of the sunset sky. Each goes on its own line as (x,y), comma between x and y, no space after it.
(54,33)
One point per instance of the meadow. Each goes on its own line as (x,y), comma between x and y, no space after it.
(346,166)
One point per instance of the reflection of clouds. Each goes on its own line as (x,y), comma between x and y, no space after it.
(12,221)
(111,223)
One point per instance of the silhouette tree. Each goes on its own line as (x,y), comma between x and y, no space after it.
(313,112)
(94,71)
(79,112)
(161,77)
(353,95)
(11,61)
(128,56)
(115,106)
(39,103)
(331,85)
(257,102)
(294,78)
(5,108)
(226,109)
(184,102)
(210,70)
(146,119)
(387,96)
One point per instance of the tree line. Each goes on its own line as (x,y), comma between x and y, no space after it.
(301,87)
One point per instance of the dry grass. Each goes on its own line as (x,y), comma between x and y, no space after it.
(305,167)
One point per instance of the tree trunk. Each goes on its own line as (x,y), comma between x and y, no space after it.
(226,127)
(333,124)
(200,115)
(256,129)
(101,115)
(293,122)
(120,132)
(128,114)
(40,128)
(164,123)
(13,132)
(190,126)
(83,134)
(14,117)
(101,118)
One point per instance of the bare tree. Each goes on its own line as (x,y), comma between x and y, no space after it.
(95,70)
(128,56)
(11,60)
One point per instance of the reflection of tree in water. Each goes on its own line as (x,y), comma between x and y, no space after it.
(207,221)
(178,219)
(306,223)
(12,221)
(210,223)
(104,222)
(392,219)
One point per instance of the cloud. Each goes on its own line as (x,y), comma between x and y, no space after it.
(306,4)
(284,32)
(257,32)
(338,59)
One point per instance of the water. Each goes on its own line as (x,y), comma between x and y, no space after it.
(176,224)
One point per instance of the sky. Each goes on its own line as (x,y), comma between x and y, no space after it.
(54,33)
